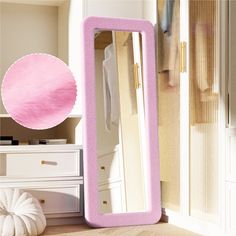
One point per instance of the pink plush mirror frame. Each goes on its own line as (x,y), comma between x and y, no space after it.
(92,214)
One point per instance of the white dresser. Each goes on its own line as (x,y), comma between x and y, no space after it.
(52,174)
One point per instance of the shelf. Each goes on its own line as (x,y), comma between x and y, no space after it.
(70,116)
(5,116)
(40,148)
(38,180)
(36,2)
(75,116)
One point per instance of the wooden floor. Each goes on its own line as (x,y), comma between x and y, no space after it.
(160,229)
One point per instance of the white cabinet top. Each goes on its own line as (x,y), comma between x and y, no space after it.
(40,148)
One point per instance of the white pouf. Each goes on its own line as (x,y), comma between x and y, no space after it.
(20,214)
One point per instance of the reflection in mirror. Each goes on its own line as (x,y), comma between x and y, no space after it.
(120,122)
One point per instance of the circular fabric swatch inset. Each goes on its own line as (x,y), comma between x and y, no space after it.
(39,91)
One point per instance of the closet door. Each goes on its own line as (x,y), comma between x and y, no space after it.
(199,106)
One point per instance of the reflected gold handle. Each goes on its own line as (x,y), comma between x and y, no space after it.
(42,201)
(104,202)
(43,162)
(136,80)
(183,55)
(103,168)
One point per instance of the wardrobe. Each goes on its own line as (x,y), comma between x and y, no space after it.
(197,139)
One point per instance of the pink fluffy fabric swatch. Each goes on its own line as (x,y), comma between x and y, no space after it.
(39,91)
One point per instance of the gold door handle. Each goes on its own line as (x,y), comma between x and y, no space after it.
(136,76)
(43,162)
(183,57)
(104,202)
(103,168)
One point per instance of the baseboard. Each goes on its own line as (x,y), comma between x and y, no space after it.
(65,221)
(192,224)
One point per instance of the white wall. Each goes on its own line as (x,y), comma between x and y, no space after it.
(115,8)
(63,31)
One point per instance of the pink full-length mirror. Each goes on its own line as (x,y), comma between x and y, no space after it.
(121,162)
(38,91)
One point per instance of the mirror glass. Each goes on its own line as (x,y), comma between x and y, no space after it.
(120,126)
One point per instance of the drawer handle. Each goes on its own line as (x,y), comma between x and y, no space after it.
(52,163)
(42,201)
(104,202)
(103,168)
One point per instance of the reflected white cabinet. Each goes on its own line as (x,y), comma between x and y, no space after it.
(111,182)
(111,197)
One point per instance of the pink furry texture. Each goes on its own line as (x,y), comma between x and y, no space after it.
(39,91)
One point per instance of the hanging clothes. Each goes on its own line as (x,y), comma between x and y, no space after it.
(110,88)
(166,19)
(168,40)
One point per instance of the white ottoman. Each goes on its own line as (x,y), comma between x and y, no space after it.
(20,214)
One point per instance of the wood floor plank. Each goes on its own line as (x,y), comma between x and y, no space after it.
(160,229)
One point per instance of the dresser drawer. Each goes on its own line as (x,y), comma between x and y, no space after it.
(109,167)
(59,200)
(110,199)
(42,164)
